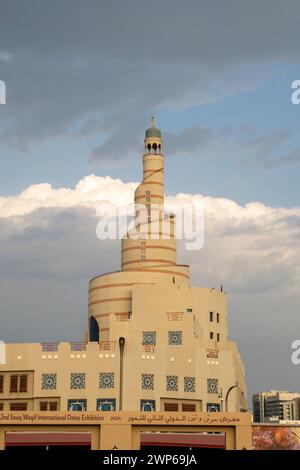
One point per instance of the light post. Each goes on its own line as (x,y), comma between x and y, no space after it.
(221,399)
(227,394)
(121,346)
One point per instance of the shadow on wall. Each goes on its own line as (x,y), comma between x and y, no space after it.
(94,330)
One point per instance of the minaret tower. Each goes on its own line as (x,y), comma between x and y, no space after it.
(147,258)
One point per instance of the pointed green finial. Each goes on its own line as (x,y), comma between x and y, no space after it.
(152,131)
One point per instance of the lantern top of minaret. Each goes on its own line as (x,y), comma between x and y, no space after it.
(153,131)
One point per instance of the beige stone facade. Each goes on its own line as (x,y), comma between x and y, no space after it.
(154,342)
(122,430)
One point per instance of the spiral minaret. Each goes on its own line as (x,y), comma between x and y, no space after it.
(156,245)
(147,258)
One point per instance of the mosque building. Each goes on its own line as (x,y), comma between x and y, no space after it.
(154,342)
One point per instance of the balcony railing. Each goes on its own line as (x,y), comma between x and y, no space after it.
(107,345)
(122,316)
(148,348)
(50,347)
(77,346)
(212,353)
(175,316)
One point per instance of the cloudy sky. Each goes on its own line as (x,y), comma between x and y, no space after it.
(82,78)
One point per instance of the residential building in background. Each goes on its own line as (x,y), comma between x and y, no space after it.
(276,406)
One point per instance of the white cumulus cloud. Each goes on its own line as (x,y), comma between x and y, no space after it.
(49,250)
(87,193)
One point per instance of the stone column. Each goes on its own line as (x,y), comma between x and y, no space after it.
(115,436)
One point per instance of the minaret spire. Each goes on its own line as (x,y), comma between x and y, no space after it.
(155,245)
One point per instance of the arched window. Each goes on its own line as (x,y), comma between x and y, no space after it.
(77,405)
(147,405)
(106,405)
(149,148)
(213,407)
(154,147)
(94,329)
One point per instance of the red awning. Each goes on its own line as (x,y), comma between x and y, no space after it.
(216,441)
(48,438)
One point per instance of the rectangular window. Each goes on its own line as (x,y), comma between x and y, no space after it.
(49,381)
(211,316)
(218,318)
(13,384)
(147,382)
(50,347)
(211,335)
(18,406)
(1,406)
(189,310)
(175,338)
(77,380)
(188,407)
(23,383)
(149,337)
(48,406)
(1,383)
(218,336)
(171,406)
(106,380)
(213,386)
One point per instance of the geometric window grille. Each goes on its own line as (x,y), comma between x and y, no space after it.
(212,386)
(147,381)
(189,384)
(108,404)
(213,407)
(49,381)
(175,337)
(172,383)
(78,380)
(147,405)
(149,337)
(77,405)
(106,380)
